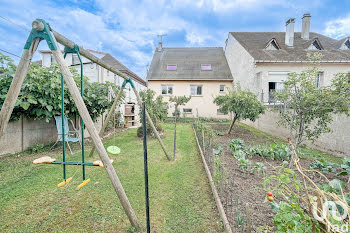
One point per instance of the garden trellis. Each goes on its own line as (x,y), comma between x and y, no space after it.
(42,31)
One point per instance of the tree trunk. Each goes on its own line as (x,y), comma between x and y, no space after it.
(232,123)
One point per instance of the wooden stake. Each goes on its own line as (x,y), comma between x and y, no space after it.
(70,44)
(16,85)
(108,117)
(73,89)
(152,125)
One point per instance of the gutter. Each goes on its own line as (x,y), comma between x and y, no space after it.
(281,61)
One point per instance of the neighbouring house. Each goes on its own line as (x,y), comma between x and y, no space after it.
(96,73)
(260,61)
(201,73)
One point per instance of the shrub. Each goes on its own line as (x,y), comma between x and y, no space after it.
(40,96)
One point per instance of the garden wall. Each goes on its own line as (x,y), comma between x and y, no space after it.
(337,142)
(24,133)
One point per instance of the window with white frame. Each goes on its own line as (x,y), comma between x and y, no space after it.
(205,66)
(319,79)
(222,88)
(187,110)
(167,89)
(346,45)
(196,90)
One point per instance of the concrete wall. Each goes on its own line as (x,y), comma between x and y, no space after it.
(204,103)
(24,133)
(337,142)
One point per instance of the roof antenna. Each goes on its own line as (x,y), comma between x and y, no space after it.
(160,43)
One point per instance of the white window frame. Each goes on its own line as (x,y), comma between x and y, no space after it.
(183,110)
(222,91)
(167,89)
(196,90)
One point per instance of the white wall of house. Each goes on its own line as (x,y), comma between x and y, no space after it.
(256,77)
(202,103)
(241,64)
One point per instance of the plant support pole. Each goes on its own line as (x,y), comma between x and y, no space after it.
(145,164)
(152,125)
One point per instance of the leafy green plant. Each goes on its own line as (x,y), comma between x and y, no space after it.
(258,167)
(218,150)
(323,166)
(244,164)
(40,96)
(243,104)
(280,151)
(307,109)
(345,166)
(218,170)
(157,109)
(219,133)
(264,229)
(236,145)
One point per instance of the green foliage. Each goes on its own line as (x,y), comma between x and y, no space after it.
(179,100)
(291,218)
(290,215)
(323,166)
(244,104)
(258,167)
(280,151)
(219,133)
(244,164)
(218,151)
(218,170)
(308,109)
(236,145)
(156,108)
(40,96)
(345,166)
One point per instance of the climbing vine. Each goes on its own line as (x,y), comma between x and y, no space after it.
(40,96)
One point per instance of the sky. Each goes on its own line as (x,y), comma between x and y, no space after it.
(129,29)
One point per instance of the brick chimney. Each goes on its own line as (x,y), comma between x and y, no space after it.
(290,32)
(160,46)
(305,31)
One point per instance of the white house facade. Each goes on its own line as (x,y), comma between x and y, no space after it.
(261,61)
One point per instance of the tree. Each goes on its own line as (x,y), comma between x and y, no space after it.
(40,96)
(243,105)
(306,108)
(178,100)
(156,108)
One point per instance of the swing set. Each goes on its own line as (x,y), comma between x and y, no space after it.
(42,31)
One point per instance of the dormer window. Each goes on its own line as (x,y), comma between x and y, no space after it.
(316,45)
(346,45)
(171,67)
(272,45)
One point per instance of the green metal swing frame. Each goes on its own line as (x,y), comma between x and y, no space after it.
(46,35)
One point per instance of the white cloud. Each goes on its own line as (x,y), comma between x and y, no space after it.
(338,28)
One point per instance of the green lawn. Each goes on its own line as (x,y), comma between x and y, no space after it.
(180,197)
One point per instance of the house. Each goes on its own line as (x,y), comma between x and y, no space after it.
(201,73)
(96,73)
(260,61)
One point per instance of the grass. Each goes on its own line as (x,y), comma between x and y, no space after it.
(180,197)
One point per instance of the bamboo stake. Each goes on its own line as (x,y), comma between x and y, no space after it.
(16,85)
(108,117)
(73,89)
(152,125)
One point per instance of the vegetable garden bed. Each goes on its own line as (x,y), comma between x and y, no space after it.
(240,182)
